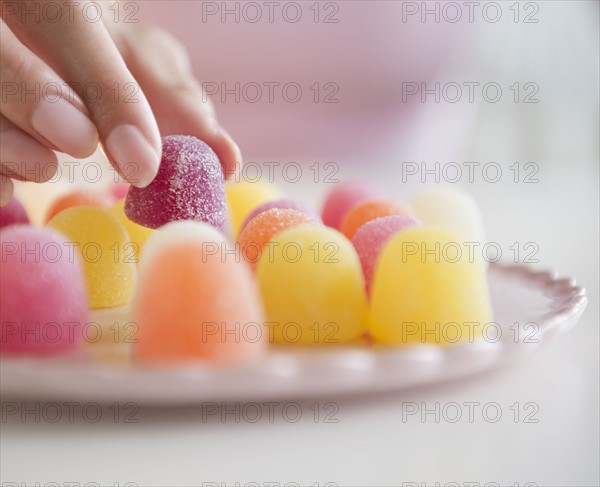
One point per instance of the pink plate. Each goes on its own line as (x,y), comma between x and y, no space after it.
(530,308)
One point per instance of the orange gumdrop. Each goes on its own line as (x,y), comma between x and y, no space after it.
(196,302)
(370,210)
(77,198)
(263,227)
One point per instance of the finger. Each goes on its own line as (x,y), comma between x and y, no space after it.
(83,53)
(161,66)
(33,99)
(22,157)
(6,189)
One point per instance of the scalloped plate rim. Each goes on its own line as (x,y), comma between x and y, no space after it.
(299,380)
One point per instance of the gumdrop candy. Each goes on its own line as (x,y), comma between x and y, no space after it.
(369,210)
(102,245)
(264,227)
(43,301)
(372,236)
(188,186)
(282,204)
(13,213)
(196,301)
(312,287)
(427,288)
(245,196)
(343,197)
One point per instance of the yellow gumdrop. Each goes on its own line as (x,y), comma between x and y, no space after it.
(428,288)
(137,233)
(243,197)
(312,287)
(100,241)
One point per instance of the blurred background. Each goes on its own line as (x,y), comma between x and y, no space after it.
(358,64)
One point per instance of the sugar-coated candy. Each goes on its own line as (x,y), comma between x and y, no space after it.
(282,204)
(262,228)
(188,186)
(13,213)
(343,197)
(312,287)
(452,208)
(369,210)
(245,196)
(76,198)
(137,234)
(196,302)
(372,236)
(102,244)
(43,302)
(427,289)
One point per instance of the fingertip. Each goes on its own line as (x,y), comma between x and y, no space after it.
(24,158)
(68,129)
(134,157)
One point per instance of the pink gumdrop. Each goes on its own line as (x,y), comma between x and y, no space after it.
(343,197)
(372,236)
(13,213)
(119,190)
(282,204)
(43,300)
(189,186)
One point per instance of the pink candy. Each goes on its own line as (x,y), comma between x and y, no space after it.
(43,301)
(343,197)
(188,186)
(13,213)
(372,236)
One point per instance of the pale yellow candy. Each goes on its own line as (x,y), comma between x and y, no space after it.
(138,234)
(312,287)
(427,289)
(243,197)
(99,240)
(450,207)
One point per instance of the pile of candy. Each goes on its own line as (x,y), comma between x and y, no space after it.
(219,272)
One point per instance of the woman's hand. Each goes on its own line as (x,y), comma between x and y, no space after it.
(144,88)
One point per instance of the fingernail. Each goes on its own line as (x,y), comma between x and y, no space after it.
(65,127)
(136,158)
(26,157)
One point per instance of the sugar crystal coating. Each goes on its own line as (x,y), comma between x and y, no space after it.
(101,243)
(282,204)
(426,289)
(369,210)
(372,236)
(76,198)
(343,197)
(188,186)
(196,302)
(13,213)
(312,287)
(245,196)
(264,227)
(43,302)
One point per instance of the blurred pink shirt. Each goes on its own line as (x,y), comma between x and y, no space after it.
(314,78)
